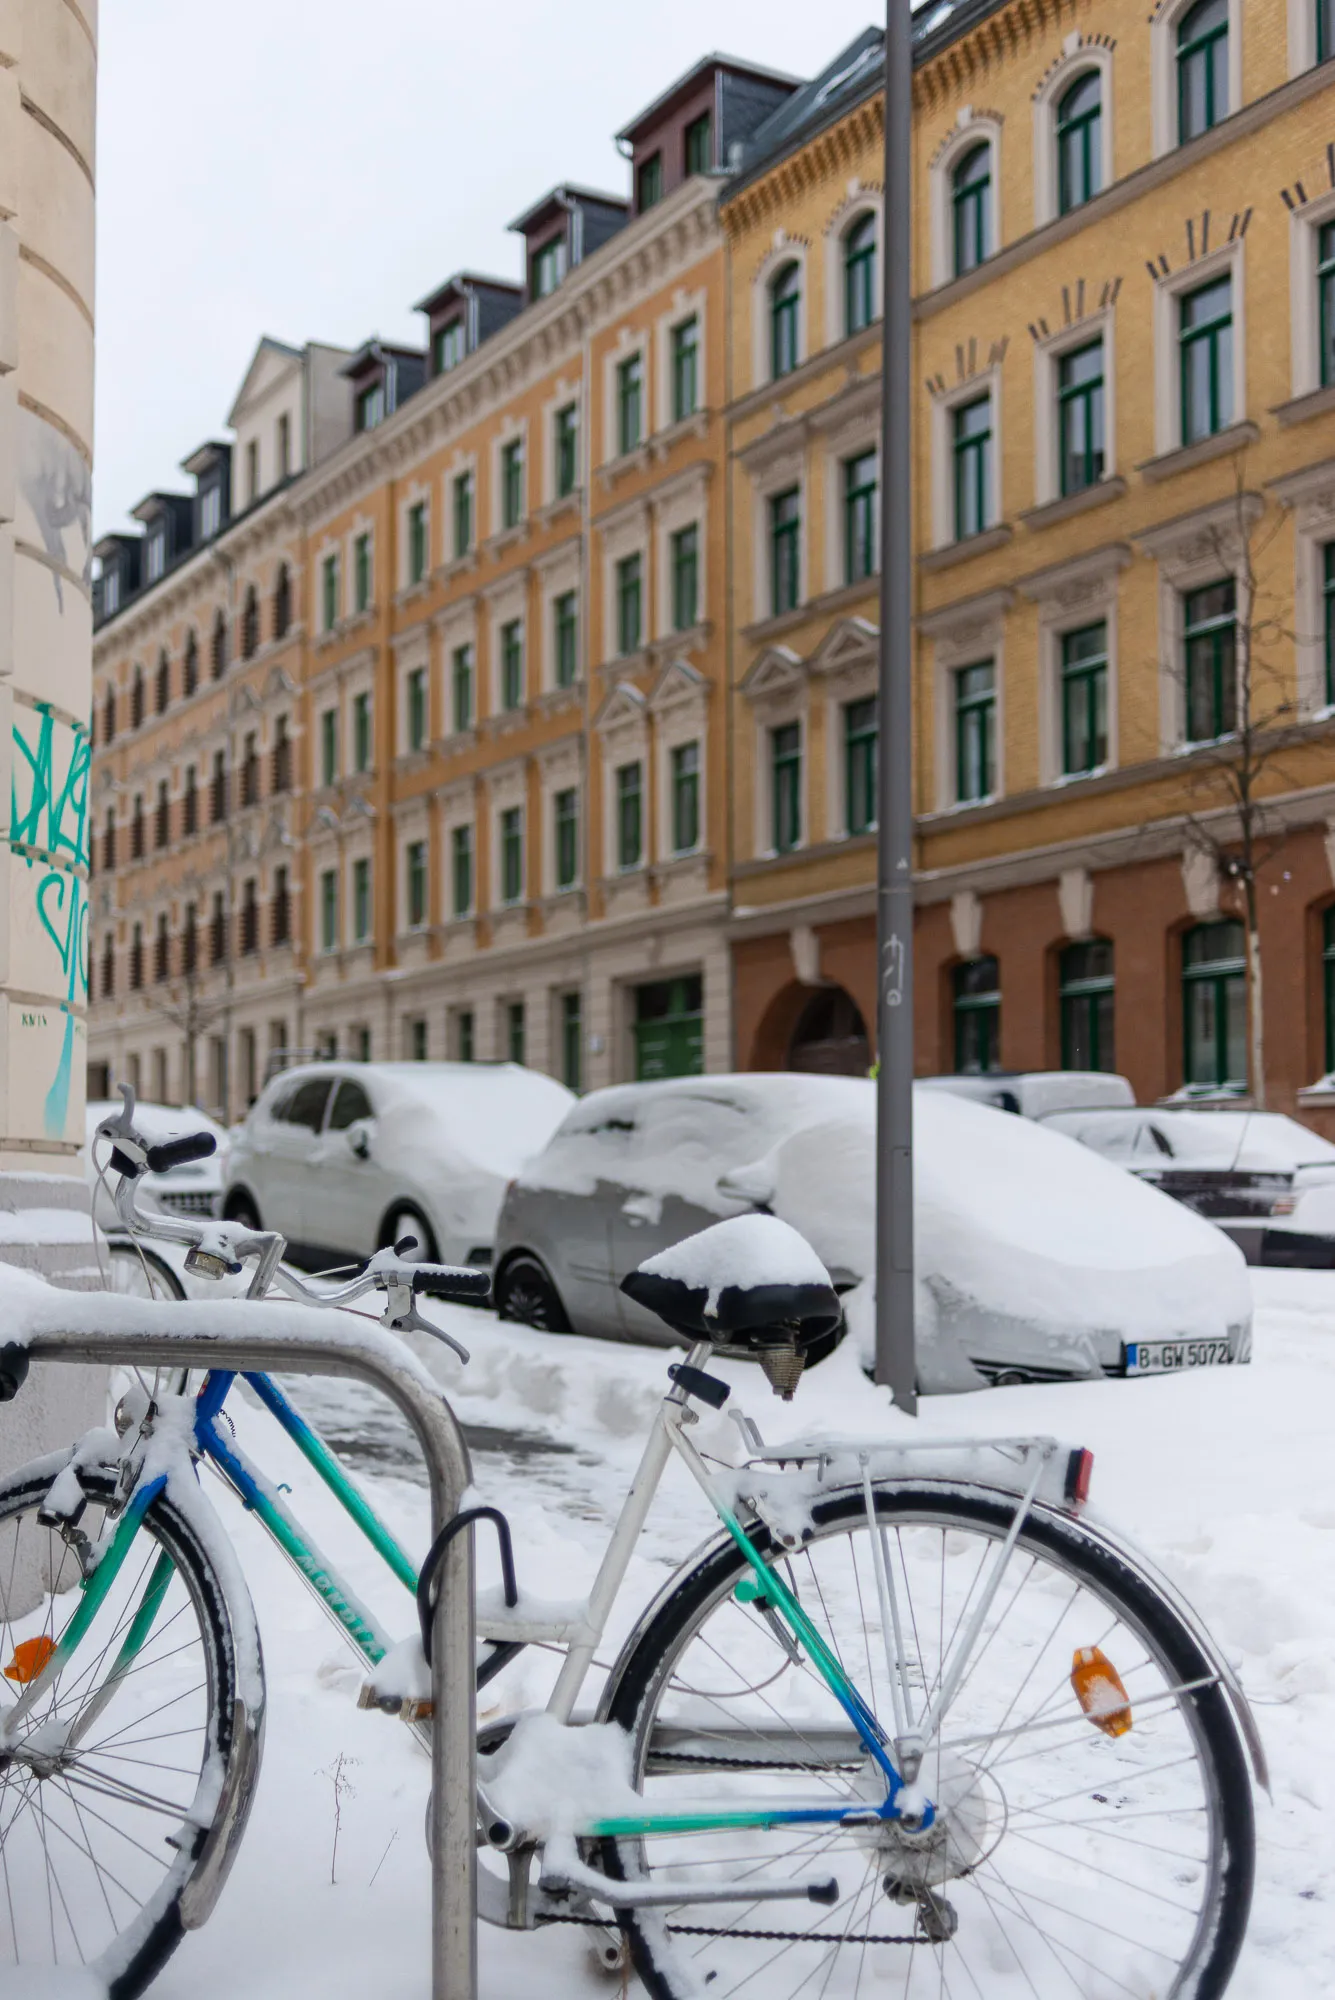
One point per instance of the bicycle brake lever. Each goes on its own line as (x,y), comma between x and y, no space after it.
(405,1318)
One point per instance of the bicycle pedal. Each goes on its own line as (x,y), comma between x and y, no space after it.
(407,1707)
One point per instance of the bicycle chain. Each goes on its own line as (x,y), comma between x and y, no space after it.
(758,1937)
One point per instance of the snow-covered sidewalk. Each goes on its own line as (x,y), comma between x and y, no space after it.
(1226,1477)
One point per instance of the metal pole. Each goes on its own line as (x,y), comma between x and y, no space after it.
(263,1335)
(895,1364)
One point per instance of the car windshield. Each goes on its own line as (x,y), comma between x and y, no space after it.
(1250,1141)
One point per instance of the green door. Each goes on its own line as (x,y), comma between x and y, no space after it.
(670,1028)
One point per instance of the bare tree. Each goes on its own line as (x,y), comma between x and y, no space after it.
(191,1013)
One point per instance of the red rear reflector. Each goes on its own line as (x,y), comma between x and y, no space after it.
(1079,1472)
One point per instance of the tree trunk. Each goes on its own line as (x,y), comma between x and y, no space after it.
(1255,1013)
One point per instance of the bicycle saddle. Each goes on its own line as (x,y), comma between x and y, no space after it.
(739,1283)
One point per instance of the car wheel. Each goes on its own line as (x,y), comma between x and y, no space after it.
(240,1208)
(406,1221)
(525,1292)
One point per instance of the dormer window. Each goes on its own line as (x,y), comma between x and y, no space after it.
(649,182)
(449,345)
(252,471)
(549,267)
(210,511)
(700,144)
(371,407)
(283,440)
(156,553)
(111,590)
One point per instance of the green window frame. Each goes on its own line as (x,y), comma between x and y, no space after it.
(1202,69)
(669,1028)
(549,267)
(1214,1005)
(565,843)
(1328,983)
(415,883)
(685,369)
(785,753)
(699,151)
(371,407)
(361,573)
(512,854)
(861,516)
(512,482)
(329,910)
(512,664)
(971,444)
(1325,296)
(685,784)
(461,688)
(1328,620)
(415,708)
(361,731)
(565,637)
(567,450)
(329,592)
(785,311)
(572,1042)
(514,1031)
(361,900)
(463,513)
(860,274)
(1080,141)
(975,731)
(976,993)
(417,542)
(1081,417)
(328,746)
(463,1034)
(417,1039)
(1325,30)
(649,183)
(785,551)
(450,348)
(1209,660)
(1085,1005)
(630,403)
(630,604)
(1084,698)
(684,562)
(971,208)
(630,814)
(861,751)
(1205,344)
(461,870)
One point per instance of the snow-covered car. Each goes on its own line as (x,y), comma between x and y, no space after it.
(1034,1093)
(344,1157)
(1035,1258)
(1221,1163)
(192,1189)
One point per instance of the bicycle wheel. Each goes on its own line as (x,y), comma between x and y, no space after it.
(126,1766)
(1071,1855)
(136,1272)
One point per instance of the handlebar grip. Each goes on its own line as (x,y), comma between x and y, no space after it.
(13,1369)
(450,1281)
(175,1152)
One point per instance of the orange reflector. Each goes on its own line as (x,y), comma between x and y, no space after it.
(1099,1691)
(30,1656)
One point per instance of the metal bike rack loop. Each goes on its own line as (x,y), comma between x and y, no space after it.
(253,1337)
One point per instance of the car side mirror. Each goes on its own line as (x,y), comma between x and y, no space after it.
(359,1138)
(752,1183)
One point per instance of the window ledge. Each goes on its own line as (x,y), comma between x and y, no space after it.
(1069,504)
(1315,403)
(504,722)
(456,566)
(771,628)
(556,700)
(846,594)
(694,426)
(951,553)
(412,591)
(412,760)
(1187,456)
(455,744)
(622,665)
(507,538)
(628,461)
(564,503)
(691,639)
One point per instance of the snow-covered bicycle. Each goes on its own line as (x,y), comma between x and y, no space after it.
(911,1716)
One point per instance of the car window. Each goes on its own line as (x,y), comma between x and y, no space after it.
(307,1102)
(1155,1141)
(350,1104)
(279,1107)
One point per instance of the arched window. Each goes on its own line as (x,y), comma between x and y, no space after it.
(1214,1006)
(785,303)
(250,624)
(977,998)
(860,274)
(1080,141)
(164,687)
(282,602)
(219,647)
(190,665)
(1085,976)
(109,715)
(137,698)
(1202,68)
(971,207)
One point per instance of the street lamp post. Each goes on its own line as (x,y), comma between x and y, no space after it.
(895,1361)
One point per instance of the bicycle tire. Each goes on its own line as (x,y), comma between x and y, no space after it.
(665,1952)
(132,1259)
(113,1929)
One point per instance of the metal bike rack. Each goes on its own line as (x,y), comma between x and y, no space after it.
(250,1338)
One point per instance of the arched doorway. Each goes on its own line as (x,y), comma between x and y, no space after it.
(830,1036)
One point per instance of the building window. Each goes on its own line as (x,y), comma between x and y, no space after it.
(1325,292)
(328,746)
(684,560)
(514,1031)
(361,572)
(1327,980)
(785,527)
(461,870)
(415,716)
(669,1028)
(210,511)
(189,941)
(860,753)
(361,732)
(280,909)
(283,445)
(785,751)
(549,267)
(630,403)
(162,817)
(155,557)
(417,1032)
(565,637)
(1085,699)
(329,910)
(512,854)
(567,450)
(250,770)
(700,144)
(463,1035)
(975,731)
(137,698)
(461,688)
(685,797)
(1328,621)
(250,916)
(860,274)
(785,306)
(217,929)
(190,804)
(971,208)
(1080,142)
(685,369)
(329,592)
(164,683)
(417,538)
(463,514)
(1205,337)
(415,883)
(109,716)
(449,345)
(572,1042)
(136,958)
(361,900)
(630,815)
(512,664)
(371,407)
(189,668)
(860,517)
(512,483)
(250,624)
(162,951)
(565,814)
(1081,443)
(972,439)
(1085,993)
(1214,1005)
(649,182)
(218,788)
(282,602)
(977,1017)
(109,842)
(630,606)
(1202,68)
(137,830)
(1209,660)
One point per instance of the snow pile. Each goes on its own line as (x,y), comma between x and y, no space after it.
(748,1251)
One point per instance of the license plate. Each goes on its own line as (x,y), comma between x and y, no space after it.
(1165,1357)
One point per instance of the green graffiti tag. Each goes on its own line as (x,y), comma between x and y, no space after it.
(49,834)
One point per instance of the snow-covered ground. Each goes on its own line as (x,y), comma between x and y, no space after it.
(1226,1477)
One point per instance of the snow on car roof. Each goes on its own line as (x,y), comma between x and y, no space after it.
(499,1113)
(1250,1141)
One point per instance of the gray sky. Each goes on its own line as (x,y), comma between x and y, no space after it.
(310,168)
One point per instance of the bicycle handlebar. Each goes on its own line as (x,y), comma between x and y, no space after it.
(450,1281)
(176,1152)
